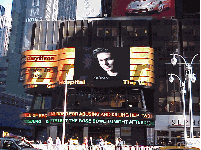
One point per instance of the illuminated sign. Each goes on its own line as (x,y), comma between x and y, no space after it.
(141,66)
(48,67)
(32,121)
(93,121)
(154,8)
(87,114)
(117,66)
(88,66)
(88,8)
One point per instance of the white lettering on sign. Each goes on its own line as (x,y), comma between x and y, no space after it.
(179,122)
(33,19)
(35,3)
(34,12)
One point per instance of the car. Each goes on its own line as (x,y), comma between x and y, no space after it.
(177,147)
(15,144)
(140,6)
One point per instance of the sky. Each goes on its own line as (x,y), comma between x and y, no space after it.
(8,6)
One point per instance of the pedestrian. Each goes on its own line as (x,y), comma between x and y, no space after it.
(101,144)
(120,144)
(58,143)
(85,142)
(116,143)
(70,144)
(90,143)
(49,143)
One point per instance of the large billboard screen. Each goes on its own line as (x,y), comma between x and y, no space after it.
(154,8)
(89,66)
(88,8)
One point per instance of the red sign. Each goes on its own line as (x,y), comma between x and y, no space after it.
(154,8)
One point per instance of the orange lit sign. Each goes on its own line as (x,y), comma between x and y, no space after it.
(87,114)
(48,67)
(141,66)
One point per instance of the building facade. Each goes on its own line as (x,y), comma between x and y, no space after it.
(139,107)
(162,99)
(5,27)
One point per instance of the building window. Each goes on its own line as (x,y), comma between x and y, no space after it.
(42,103)
(100,32)
(162,133)
(114,31)
(177,133)
(37,104)
(108,31)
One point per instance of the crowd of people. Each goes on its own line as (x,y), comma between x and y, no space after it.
(87,143)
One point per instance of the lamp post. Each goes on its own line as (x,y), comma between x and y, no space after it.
(64,123)
(183,91)
(190,76)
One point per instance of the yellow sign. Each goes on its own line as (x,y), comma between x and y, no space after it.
(48,67)
(141,66)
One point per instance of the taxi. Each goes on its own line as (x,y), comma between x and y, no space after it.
(177,147)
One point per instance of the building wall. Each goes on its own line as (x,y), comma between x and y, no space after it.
(3,72)
(5,27)
(170,128)
(166,36)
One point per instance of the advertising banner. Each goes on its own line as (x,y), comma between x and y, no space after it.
(89,66)
(47,66)
(115,66)
(155,8)
(88,8)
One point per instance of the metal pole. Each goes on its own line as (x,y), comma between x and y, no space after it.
(190,101)
(184,111)
(182,84)
(64,127)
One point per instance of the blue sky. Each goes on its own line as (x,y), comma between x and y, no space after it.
(8,5)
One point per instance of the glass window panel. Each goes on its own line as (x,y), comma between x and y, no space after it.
(38,101)
(43,103)
(100,32)
(177,133)
(129,28)
(114,31)
(124,30)
(108,31)
(48,102)
(162,133)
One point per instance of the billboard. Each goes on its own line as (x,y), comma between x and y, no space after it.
(89,66)
(47,66)
(115,66)
(154,8)
(88,8)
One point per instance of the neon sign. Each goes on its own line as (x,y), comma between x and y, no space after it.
(94,121)
(88,114)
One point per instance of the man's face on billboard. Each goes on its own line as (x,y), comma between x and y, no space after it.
(105,61)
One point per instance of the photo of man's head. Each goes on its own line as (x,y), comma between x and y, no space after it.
(100,63)
(105,60)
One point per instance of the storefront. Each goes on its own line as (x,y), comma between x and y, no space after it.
(131,127)
(170,129)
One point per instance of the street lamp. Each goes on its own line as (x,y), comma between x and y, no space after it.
(183,91)
(64,123)
(190,77)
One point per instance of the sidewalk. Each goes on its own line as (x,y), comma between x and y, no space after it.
(95,147)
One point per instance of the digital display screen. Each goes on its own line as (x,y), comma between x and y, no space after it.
(93,121)
(87,114)
(154,8)
(88,66)
(47,66)
(115,66)
(102,64)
